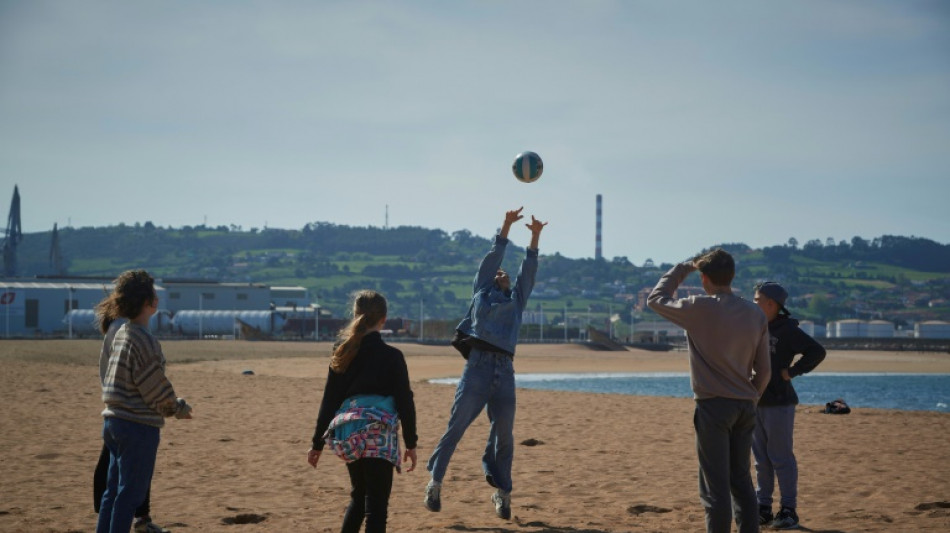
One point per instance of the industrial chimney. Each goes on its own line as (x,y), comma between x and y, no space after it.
(598,245)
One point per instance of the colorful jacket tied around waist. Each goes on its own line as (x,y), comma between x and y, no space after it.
(365,426)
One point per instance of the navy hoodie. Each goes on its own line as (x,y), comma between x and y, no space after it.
(787,341)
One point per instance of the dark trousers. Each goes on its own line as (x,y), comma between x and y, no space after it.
(724,429)
(372,481)
(100,478)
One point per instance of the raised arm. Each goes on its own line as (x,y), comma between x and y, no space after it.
(492,261)
(535,226)
(510,218)
(661,299)
(524,283)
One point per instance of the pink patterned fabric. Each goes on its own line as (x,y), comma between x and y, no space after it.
(358,432)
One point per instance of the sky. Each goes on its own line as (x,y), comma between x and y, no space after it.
(699,122)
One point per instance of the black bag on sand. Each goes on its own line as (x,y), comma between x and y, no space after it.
(837,407)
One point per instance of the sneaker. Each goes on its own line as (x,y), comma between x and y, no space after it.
(786,518)
(433,499)
(765,515)
(145,525)
(502,501)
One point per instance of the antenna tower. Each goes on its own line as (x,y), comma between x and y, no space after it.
(598,243)
(12,236)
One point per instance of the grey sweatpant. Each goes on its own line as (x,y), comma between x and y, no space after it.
(724,445)
(772,448)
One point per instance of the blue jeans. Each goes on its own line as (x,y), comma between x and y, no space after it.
(488,381)
(133,447)
(772,448)
(723,443)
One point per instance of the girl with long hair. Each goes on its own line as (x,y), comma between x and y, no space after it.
(366,398)
(137,397)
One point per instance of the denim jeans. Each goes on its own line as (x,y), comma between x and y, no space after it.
(100,478)
(133,447)
(724,445)
(488,381)
(772,449)
(372,482)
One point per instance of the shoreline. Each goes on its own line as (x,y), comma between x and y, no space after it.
(425,361)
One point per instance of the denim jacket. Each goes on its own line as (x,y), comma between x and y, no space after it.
(495,315)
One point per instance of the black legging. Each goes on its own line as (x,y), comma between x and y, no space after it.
(101,478)
(372,481)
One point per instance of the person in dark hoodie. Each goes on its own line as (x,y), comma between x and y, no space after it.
(775,415)
(367,397)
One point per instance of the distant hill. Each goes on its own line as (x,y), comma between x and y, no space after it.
(428,270)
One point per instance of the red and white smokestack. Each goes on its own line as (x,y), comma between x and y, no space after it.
(598,245)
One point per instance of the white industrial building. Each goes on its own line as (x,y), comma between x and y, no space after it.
(813,330)
(932,329)
(862,329)
(37,308)
(294,297)
(880,329)
(44,307)
(214,296)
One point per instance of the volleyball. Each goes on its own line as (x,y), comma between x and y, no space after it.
(527,167)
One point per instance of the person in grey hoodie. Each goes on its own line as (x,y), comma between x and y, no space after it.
(728,341)
(775,415)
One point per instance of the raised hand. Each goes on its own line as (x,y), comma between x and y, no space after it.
(536,225)
(513,216)
(510,218)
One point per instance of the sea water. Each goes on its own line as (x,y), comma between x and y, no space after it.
(910,392)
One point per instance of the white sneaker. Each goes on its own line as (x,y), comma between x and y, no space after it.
(502,501)
(433,500)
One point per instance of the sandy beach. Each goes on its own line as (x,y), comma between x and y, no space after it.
(584,463)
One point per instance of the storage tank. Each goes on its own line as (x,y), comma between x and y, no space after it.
(850,328)
(225,322)
(932,329)
(880,329)
(84,322)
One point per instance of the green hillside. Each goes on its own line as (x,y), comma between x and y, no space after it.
(895,278)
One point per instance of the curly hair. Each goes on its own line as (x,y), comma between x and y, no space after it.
(132,291)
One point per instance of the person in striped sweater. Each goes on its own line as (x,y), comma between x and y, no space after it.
(137,396)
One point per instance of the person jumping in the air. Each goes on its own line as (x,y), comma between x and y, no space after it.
(487,337)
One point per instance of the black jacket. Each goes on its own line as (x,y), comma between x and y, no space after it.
(378,368)
(787,341)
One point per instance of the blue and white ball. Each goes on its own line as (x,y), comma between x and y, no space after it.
(527,167)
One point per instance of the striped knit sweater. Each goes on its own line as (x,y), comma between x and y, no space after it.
(132,371)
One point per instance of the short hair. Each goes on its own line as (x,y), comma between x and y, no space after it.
(718,265)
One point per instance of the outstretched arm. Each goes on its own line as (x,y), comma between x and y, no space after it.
(510,218)
(524,283)
(492,262)
(535,226)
